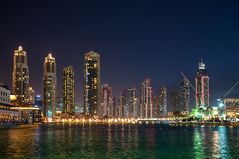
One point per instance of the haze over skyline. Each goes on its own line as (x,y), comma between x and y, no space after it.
(136,40)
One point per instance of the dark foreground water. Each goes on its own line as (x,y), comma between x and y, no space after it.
(119,141)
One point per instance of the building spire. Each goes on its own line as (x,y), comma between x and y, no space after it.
(201,65)
(20,48)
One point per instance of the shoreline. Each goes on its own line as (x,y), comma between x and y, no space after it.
(207,124)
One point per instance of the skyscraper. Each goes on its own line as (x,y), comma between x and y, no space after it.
(146,104)
(185,95)
(176,102)
(68,90)
(121,108)
(106,106)
(49,87)
(20,75)
(163,101)
(131,101)
(115,111)
(30,98)
(156,106)
(202,86)
(91,83)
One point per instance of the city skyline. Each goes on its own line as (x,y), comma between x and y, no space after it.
(159,48)
(119,79)
(192,105)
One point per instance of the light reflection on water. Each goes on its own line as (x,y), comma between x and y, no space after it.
(119,141)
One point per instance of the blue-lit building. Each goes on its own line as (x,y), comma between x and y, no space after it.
(38,102)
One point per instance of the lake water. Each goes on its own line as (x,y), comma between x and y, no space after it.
(119,141)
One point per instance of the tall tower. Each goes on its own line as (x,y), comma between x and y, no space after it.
(122,104)
(91,83)
(185,95)
(146,106)
(68,90)
(202,86)
(176,101)
(106,107)
(131,101)
(156,106)
(20,75)
(49,87)
(163,101)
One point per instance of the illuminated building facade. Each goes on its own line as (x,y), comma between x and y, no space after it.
(146,104)
(91,83)
(202,86)
(163,104)
(122,104)
(30,98)
(185,95)
(59,105)
(4,94)
(20,75)
(106,106)
(131,101)
(231,108)
(176,101)
(39,102)
(49,87)
(156,106)
(115,107)
(68,90)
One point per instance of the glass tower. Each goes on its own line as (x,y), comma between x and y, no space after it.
(91,83)
(68,90)
(49,87)
(20,75)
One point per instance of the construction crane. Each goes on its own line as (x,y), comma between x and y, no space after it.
(220,101)
(230,90)
(185,77)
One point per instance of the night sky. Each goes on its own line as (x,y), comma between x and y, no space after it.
(136,40)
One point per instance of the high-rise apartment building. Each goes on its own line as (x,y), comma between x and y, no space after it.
(20,75)
(106,106)
(156,106)
(202,86)
(146,104)
(68,90)
(163,101)
(91,83)
(122,105)
(185,95)
(131,101)
(176,101)
(49,87)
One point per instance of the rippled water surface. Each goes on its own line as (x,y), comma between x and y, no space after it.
(119,141)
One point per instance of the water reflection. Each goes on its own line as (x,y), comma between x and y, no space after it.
(211,142)
(119,141)
(17,142)
(197,144)
(220,143)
